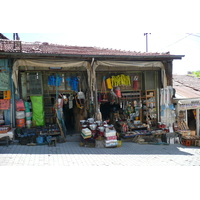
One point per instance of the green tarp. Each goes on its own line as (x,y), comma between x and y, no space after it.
(37,110)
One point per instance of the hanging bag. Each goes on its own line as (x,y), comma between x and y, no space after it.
(103,91)
(108,83)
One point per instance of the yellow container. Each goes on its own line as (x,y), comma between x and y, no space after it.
(119,143)
(6,94)
(108,83)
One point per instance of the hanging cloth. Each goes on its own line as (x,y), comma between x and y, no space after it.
(103,91)
(70,101)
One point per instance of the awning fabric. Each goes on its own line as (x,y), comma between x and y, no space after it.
(47,63)
(142,64)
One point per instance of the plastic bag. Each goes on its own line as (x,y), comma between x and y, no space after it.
(37,110)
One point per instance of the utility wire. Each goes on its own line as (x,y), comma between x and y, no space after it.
(178,41)
(194,34)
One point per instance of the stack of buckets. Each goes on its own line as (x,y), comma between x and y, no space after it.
(27,114)
(20,114)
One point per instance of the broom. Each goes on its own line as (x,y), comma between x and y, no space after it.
(80,94)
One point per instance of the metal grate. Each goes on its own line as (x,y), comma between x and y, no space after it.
(34,81)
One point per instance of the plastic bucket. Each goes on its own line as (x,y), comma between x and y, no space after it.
(28,114)
(28,121)
(20,114)
(39,140)
(26,104)
(27,110)
(20,123)
(28,118)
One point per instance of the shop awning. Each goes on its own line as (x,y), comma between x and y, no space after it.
(47,63)
(131,64)
(188,103)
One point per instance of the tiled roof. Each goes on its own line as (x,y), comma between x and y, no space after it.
(38,47)
(3,37)
(186,86)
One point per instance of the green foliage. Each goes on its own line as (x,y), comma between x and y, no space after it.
(196,74)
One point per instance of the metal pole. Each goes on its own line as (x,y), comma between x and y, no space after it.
(146,34)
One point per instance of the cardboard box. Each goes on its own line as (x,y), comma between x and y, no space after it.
(187,133)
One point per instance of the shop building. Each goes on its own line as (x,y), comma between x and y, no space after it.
(62,85)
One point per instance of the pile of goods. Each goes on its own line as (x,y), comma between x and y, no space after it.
(98,132)
(3,128)
(190,140)
(23,114)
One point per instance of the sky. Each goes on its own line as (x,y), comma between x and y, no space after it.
(111,24)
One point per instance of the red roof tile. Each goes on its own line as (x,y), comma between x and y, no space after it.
(38,47)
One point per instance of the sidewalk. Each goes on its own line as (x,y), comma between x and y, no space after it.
(71,154)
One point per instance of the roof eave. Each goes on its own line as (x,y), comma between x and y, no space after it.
(146,57)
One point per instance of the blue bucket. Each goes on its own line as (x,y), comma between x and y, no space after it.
(39,140)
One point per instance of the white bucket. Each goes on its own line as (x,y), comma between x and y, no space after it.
(28,122)
(28,114)
(20,114)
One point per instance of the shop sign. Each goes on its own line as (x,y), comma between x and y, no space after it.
(192,105)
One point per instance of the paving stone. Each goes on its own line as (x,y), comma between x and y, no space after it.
(71,154)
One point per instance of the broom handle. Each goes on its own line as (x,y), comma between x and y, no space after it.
(79,84)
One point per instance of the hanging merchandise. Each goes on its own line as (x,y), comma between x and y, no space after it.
(108,83)
(37,106)
(79,102)
(70,101)
(68,79)
(171,105)
(63,78)
(52,80)
(73,83)
(135,83)
(99,97)
(65,100)
(104,96)
(120,80)
(80,94)
(112,97)
(118,92)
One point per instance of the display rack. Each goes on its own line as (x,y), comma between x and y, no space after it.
(149,106)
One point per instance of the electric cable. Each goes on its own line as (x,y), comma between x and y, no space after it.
(177,41)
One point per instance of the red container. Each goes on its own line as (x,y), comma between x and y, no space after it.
(4,104)
(20,123)
(20,105)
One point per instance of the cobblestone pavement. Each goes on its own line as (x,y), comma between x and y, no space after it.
(71,154)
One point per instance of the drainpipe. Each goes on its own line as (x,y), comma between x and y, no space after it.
(92,96)
(197,122)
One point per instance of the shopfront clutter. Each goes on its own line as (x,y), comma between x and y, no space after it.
(30,128)
(40,135)
(98,134)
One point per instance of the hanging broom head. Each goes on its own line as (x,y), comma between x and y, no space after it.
(80,94)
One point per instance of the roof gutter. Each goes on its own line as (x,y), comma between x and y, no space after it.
(31,55)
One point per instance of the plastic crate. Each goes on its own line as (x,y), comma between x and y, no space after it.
(6,94)
(4,104)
